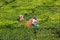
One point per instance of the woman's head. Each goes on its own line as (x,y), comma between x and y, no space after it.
(21,16)
(34,17)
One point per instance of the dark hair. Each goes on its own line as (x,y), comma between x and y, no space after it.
(34,17)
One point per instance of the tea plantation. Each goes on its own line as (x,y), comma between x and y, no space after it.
(46,11)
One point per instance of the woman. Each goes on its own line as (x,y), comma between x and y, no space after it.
(34,22)
(21,18)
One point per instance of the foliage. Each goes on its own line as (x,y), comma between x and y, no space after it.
(46,11)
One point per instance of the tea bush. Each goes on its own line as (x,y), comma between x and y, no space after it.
(46,11)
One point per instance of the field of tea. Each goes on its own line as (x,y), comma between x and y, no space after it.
(46,11)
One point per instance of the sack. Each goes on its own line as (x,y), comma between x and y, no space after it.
(29,23)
